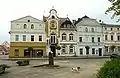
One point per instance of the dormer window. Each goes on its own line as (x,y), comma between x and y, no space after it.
(25,26)
(28,20)
(32,26)
(53,17)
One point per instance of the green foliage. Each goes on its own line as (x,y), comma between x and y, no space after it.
(115,8)
(111,69)
(58,47)
(23,62)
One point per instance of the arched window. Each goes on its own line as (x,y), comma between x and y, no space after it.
(86,29)
(92,29)
(64,36)
(32,26)
(25,26)
(71,36)
(53,38)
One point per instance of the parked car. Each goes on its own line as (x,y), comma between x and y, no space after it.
(114,55)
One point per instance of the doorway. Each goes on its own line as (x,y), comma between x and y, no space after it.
(100,51)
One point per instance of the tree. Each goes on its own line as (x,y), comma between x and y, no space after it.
(115,8)
(111,69)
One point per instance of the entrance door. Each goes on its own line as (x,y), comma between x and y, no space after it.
(26,53)
(53,50)
(100,51)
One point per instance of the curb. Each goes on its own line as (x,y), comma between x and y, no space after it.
(56,58)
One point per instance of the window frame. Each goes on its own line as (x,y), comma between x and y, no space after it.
(25,26)
(80,39)
(112,37)
(93,51)
(16,37)
(70,36)
(32,38)
(32,26)
(81,51)
(24,37)
(40,37)
(64,36)
(93,39)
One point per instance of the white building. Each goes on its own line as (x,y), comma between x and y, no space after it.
(111,38)
(89,37)
(67,37)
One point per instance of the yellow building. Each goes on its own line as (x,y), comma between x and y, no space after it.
(27,37)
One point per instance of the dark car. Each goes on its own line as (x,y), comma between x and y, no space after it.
(115,56)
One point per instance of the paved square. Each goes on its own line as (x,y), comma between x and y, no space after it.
(88,69)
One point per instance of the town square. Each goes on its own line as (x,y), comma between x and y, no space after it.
(60,39)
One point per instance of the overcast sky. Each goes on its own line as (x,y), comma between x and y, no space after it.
(14,9)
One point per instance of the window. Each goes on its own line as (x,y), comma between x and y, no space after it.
(25,26)
(53,17)
(24,37)
(86,29)
(28,20)
(32,26)
(98,39)
(111,37)
(81,51)
(111,29)
(93,39)
(105,28)
(32,37)
(93,50)
(106,37)
(71,49)
(106,49)
(52,38)
(40,38)
(63,50)
(63,36)
(16,37)
(16,52)
(71,36)
(80,39)
(92,29)
(118,37)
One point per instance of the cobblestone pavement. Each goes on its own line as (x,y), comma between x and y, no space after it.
(88,69)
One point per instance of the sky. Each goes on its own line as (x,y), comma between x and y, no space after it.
(14,9)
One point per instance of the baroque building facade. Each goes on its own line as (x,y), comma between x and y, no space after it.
(31,37)
(111,38)
(89,37)
(60,32)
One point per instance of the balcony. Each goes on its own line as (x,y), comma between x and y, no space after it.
(52,42)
